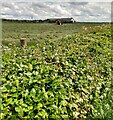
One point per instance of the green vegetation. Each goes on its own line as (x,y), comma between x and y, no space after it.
(35,32)
(63,73)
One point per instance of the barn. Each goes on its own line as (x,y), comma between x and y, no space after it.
(67,20)
(63,20)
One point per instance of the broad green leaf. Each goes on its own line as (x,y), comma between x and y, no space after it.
(30,107)
(13,89)
(75,114)
(18,109)
(64,103)
(33,92)
(2,115)
(4,89)
(17,83)
(9,100)
(30,66)
(39,105)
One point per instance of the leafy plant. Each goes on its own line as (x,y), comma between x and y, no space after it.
(68,78)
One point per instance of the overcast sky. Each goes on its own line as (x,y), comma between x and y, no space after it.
(99,11)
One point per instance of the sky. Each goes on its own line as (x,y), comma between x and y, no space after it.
(82,11)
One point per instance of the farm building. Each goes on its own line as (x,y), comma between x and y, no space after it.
(63,20)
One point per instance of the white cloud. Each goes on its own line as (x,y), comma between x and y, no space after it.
(55,0)
(80,11)
(83,0)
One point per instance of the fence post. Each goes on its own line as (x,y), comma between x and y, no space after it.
(23,42)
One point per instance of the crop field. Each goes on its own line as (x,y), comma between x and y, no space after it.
(13,31)
(64,73)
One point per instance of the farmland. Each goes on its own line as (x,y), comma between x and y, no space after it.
(63,73)
(13,31)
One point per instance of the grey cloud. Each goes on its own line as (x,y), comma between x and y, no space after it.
(112,12)
(56,1)
(80,11)
(77,3)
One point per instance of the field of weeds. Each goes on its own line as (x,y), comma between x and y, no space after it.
(65,72)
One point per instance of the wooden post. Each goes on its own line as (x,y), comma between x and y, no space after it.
(23,42)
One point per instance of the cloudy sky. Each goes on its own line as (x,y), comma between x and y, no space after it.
(84,10)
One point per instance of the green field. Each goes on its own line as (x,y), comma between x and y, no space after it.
(65,72)
(34,32)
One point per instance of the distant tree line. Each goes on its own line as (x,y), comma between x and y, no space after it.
(52,20)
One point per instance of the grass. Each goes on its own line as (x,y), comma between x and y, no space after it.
(34,32)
